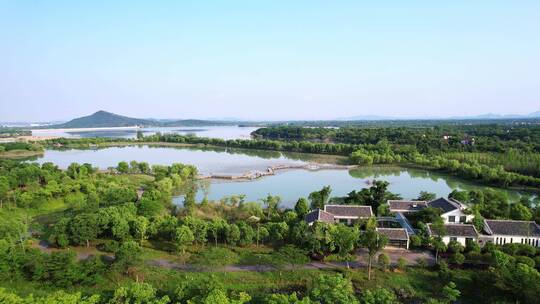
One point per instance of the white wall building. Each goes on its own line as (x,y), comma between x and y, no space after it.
(457,232)
(346,214)
(503,232)
(453,212)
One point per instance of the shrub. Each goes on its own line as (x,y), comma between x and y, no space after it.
(421,262)
(537,261)
(457,258)
(472,246)
(109,246)
(455,247)
(444,273)
(525,260)
(379,296)
(383,261)
(214,257)
(402,264)
(416,241)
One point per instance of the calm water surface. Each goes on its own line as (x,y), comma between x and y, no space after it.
(223,132)
(292,184)
(208,160)
(289,184)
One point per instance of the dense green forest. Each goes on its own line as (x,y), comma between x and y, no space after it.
(83,236)
(470,138)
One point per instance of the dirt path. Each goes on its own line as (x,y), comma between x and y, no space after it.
(238,268)
(411,257)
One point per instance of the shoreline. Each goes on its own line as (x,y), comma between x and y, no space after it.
(16,154)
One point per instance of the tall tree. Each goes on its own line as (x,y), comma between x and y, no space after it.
(346,239)
(127,255)
(4,190)
(183,237)
(301,207)
(372,241)
(438,229)
(332,289)
(426,196)
(271,204)
(123,167)
(320,198)
(84,228)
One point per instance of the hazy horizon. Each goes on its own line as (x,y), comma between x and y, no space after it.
(278,60)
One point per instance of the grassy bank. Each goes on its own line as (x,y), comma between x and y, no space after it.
(18,154)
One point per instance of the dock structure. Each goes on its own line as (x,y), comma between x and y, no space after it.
(272,170)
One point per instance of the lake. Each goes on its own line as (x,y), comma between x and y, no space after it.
(293,184)
(289,184)
(223,132)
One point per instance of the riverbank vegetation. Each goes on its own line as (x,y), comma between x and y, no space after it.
(20,149)
(115,237)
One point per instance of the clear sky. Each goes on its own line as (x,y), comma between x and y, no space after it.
(268,59)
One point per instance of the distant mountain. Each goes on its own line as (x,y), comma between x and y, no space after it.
(534,114)
(488,116)
(367,117)
(103,119)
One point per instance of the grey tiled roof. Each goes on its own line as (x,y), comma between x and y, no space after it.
(457,230)
(401,205)
(394,233)
(319,215)
(509,227)
(446,205)
(349,210)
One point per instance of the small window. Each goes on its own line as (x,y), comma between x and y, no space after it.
(462,219)
(453,238)
(452,219)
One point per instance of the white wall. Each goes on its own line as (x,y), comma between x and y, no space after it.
(350,220)
(505,239)
(461,240)
(457,214)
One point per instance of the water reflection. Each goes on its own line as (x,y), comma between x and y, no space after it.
(223,132)
(293,184)
(289,184)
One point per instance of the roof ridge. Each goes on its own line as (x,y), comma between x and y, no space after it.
(337,205)
(511,221)
(450,224)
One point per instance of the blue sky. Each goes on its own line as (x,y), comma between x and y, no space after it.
(268,59)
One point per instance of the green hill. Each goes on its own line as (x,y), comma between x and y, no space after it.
(103,119)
